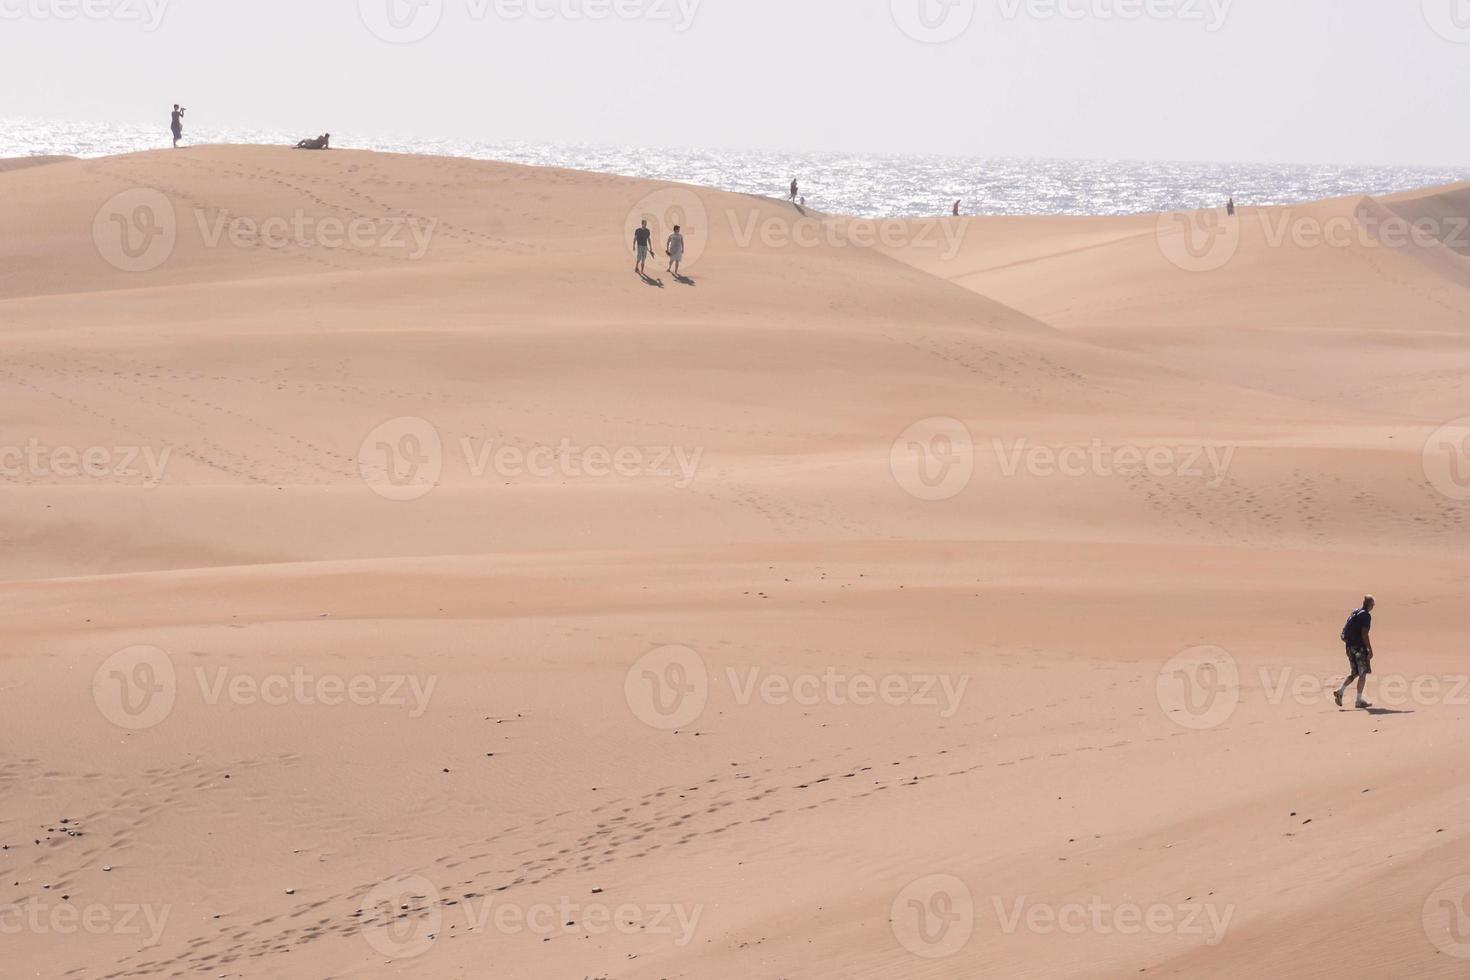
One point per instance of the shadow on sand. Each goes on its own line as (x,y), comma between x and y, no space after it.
(683,279)
(650,281)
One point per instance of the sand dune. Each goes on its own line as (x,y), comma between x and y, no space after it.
(21,163)
(1278,299)
(440,599)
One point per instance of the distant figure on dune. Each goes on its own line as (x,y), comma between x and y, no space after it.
(1359,650)
(643,243)
(956,209)
(795,190)
(176,124)
(1230,207)
(676,250)
(322,142)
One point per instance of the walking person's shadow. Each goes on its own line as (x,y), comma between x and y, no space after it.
(650,281)
(679,277)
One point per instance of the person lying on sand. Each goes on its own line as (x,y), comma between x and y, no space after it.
(1359,650)
(322,142)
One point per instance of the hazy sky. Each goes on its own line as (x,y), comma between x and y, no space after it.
(1350,81)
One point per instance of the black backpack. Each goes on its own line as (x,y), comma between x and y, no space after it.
(1351,622)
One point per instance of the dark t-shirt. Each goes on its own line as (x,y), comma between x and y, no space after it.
(177,122)
(643,236)
(1359,623)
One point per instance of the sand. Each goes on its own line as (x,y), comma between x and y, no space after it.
(21,163)
(404,588)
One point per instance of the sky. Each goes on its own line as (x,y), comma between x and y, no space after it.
(1309,81)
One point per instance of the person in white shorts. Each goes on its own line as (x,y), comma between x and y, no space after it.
(675,249)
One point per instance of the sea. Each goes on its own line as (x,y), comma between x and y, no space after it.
(861,184)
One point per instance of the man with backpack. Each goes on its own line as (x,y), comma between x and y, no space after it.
(1359,651)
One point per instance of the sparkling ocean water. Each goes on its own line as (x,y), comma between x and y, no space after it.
(866,185)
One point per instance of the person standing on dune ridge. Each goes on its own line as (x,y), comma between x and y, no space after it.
(795,190)
(176,124)
(1356,634)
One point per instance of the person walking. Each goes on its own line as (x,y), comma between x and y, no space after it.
(675,249)
(642,243)
(1356,635)
(795,190)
